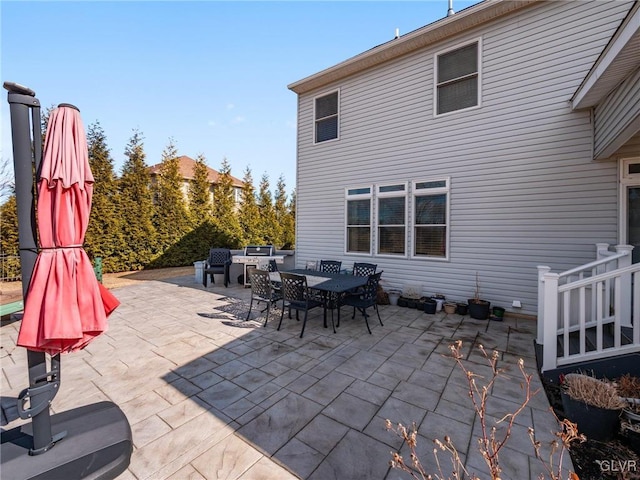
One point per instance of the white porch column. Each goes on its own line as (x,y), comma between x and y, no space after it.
(550,320)
(623,311)
(541,271)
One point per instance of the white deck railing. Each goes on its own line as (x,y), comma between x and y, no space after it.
(588,298)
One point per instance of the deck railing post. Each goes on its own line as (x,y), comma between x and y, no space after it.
(623,311)
(550,320)
(541,271)
(602,251)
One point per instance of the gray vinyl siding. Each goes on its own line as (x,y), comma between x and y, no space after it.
(616,112)
(631,149)
(524,188)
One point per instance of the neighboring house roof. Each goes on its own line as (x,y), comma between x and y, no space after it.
(186,165)
(466,19)
(617,61)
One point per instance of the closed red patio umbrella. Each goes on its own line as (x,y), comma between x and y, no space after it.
(66,307)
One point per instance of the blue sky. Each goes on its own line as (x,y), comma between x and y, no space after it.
(212,75)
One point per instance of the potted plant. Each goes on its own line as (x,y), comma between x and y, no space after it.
(430,305)
(411,292)
(449,307)
(478,308)
(439,299)
(462,308)
(628,387)
(498,313)
(394,295)
(593,404)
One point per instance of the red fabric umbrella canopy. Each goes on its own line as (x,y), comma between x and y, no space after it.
(66,307)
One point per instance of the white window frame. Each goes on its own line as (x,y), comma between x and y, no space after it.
(358,196)
(395,194)
(315,120)
(626,180)
(435,76)
(415,192)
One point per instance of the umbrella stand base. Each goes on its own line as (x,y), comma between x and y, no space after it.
(97,446)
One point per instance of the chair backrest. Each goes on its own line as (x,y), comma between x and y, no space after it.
(260,283)
(330,266)
(294,287)
(219,256)
(370,289)
(364,269)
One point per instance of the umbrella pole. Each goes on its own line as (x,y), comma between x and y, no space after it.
(43,384)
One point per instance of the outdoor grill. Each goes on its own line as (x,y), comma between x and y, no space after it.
(255,255)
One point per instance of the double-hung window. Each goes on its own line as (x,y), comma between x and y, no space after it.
(431,218)
(358,220)
(326,117)
(458,78)
(392,219)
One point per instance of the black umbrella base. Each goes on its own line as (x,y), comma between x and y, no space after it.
(97,445)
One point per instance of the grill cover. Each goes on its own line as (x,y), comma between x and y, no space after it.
(259,250)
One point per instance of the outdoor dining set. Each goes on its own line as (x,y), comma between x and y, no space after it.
(327,286)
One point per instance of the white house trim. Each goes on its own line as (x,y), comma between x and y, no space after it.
(619,59)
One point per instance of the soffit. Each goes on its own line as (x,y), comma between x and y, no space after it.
(619,59)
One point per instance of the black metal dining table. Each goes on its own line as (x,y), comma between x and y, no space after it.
(326,283)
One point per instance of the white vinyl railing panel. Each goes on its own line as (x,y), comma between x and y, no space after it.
(598,299)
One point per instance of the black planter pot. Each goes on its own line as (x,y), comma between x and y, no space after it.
(596,423)
(411,303)
(479,311)
(632,439)
(430,306)
(402,302)
(462,308)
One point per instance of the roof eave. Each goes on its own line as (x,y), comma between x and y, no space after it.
(464,20)
(618,60)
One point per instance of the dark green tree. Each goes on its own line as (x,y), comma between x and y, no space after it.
(224,208)
(289,226)
(249,214)
(170,218)
(283,217)
(136,206)
(200,204)
(9,238)
(104,237)
(269,228)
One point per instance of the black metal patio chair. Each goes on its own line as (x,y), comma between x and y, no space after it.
(296,296)
(364,269)
(330,266)
(262,291)
(219,262)
(363,299)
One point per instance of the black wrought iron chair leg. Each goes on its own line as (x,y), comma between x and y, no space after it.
(338,316)
(281,316)
(378,312)
(367,322)
(249,314)
(354,313)
(304,323)
(333,324)
(266,318)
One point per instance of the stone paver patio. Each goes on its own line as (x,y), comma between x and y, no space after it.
(209,396)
